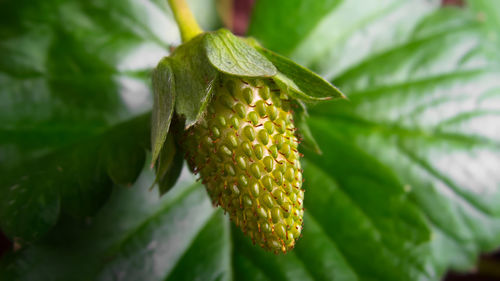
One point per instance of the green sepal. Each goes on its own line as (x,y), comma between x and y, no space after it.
(163,106)
(302,83)
(170,178)
(234,56)
(288,86)
(194,80)
(169,166)
(303,132)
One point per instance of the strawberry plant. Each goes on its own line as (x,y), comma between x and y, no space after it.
(397,182)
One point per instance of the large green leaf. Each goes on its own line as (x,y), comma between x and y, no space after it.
(136,236)
(74,180)
(71,72)
(335,34)
(440,133)
(425,105)
(281,25)
(406,187)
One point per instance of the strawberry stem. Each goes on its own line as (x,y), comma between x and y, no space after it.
(188,26)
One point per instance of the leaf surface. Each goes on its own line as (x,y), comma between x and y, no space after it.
(424,105)
(233,56)
(437,132)
(74,104)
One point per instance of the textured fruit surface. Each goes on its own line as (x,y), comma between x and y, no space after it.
(245,150)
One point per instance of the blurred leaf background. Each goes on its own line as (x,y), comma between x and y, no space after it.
(407,186)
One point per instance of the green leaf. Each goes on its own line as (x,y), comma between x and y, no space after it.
(74,99)
(184,238)
(334,35)
(303,83)
(488,11)
(163,105)
(430,119)
(194,80)
(234,56)
(304,133)
(74,180)
(131,234)
(125,149)
(124,162)
(280,25)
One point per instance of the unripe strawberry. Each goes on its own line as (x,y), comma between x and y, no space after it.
(245,150)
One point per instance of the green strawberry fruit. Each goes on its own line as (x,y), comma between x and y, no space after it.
(231,102)
(245,150)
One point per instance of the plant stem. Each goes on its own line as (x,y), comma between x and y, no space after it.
(188,26)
